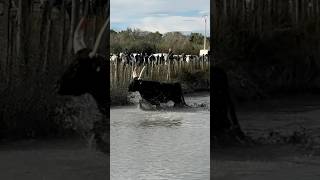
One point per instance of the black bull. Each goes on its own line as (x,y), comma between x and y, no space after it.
(156,92)
(88,73)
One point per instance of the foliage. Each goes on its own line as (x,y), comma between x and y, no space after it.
(151,42)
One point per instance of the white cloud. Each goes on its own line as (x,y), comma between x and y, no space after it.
(171,23)
(161,15)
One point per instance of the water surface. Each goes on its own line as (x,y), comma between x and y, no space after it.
(168,144)
(276,161)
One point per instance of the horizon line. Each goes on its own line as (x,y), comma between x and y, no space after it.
(183,32)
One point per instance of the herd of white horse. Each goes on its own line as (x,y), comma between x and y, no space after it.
(156,58)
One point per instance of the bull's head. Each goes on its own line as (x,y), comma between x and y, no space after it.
(88,71)
(135,83)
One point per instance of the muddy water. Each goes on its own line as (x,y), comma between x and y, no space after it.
(274,161)
(165,144)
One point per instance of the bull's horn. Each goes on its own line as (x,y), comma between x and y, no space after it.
(141,72)
(134,73)
(78,42)
(98,40)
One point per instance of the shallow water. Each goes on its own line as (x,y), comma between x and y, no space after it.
(274,161)
(167,144)
(62,159)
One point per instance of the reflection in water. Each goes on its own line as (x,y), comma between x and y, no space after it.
(156,120)
(160,144)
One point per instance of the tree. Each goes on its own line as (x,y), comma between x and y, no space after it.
(196,38)
(136,40)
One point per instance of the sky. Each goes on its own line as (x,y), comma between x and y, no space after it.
(160,15)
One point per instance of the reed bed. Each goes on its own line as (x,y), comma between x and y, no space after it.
(121,74)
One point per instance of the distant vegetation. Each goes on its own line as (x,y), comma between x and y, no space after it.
(136,40)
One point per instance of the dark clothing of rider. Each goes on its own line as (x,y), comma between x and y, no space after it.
(170,55)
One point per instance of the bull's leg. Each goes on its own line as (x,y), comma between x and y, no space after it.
(180,102)
(180,98)
(183,101)
(156,103)
(234,119)
(178,105)
(149,103)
